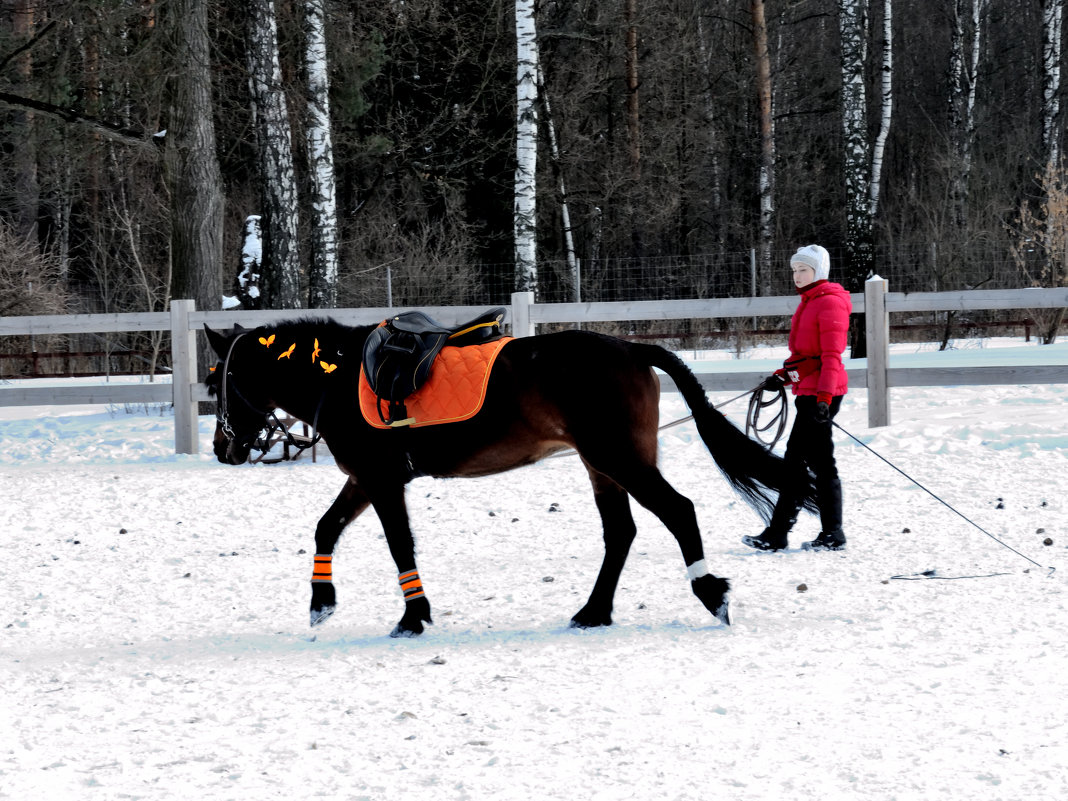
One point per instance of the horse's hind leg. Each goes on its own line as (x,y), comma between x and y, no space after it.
(640,477)
(614,505)
(676,511)
(345,508)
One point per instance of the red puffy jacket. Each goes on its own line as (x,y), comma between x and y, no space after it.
(819,332)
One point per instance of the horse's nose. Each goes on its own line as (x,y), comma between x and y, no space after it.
(236,453)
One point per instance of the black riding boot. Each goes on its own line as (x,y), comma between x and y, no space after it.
(831,538)
(773,538)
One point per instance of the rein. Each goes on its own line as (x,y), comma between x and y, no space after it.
(752,418)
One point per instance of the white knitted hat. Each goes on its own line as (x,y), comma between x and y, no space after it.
(816,257)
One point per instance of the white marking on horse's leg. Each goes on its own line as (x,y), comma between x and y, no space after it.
(697,569)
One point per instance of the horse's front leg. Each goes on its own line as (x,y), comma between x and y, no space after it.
(345,508)
(393,513)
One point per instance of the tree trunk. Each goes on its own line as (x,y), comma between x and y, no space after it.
(886,98)
(961,104)
(526,147)
(766,179)
(561,184)
(1052,11)
(281,261)
(630,11)
(22,158)
(192,166)
(856,166)
(247,285)
(323,262)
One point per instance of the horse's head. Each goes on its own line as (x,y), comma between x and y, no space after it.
(242,402)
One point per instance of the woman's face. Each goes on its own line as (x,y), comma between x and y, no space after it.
(803,274)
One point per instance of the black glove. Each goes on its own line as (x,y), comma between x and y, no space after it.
(823,412)
(772,384)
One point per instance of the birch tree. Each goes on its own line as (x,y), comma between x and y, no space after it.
(322,277)
(561,185)
(278,195)
(886,105)
(766,178)
(856,161)
(526,147)
(323,262)
(1052,11)
(963,84)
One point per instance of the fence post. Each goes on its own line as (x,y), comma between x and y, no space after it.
(183,375)
(877,331)
(521,324)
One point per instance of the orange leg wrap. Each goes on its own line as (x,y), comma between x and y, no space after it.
(411,585)
(322,571)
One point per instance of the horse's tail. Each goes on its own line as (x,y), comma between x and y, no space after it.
(755,472)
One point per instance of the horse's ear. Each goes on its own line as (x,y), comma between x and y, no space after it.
(220,343)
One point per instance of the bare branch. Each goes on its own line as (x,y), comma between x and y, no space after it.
(118,133)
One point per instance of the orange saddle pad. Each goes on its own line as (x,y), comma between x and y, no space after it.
(454,391)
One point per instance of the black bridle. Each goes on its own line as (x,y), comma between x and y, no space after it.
(271,423)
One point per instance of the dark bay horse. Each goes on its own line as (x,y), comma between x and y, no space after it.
(574,389)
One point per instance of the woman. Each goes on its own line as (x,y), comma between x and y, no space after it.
(818,334)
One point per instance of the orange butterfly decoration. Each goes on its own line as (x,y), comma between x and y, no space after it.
(286,354)
(328,368)
(267,342)
(315,352)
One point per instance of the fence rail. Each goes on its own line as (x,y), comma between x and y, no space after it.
(524,315)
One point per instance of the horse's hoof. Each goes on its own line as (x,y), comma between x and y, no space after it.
(722,614)
(321,615)
(585,620)
(712,591)
(403,631)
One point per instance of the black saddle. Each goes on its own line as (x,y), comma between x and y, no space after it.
(398,355)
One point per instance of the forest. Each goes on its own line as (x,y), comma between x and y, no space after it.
(674,149)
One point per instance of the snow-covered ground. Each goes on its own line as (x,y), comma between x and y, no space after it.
(154,640)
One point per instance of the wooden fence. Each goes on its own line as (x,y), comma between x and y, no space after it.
(524,315)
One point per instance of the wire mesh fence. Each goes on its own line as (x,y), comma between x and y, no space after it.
(912,268)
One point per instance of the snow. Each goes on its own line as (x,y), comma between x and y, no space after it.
(154,640)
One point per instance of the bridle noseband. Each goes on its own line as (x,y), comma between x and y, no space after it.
(270,419)
(222,411)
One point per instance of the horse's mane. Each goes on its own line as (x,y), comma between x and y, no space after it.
(322,323)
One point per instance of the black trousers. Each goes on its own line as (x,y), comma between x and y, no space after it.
(811,446)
